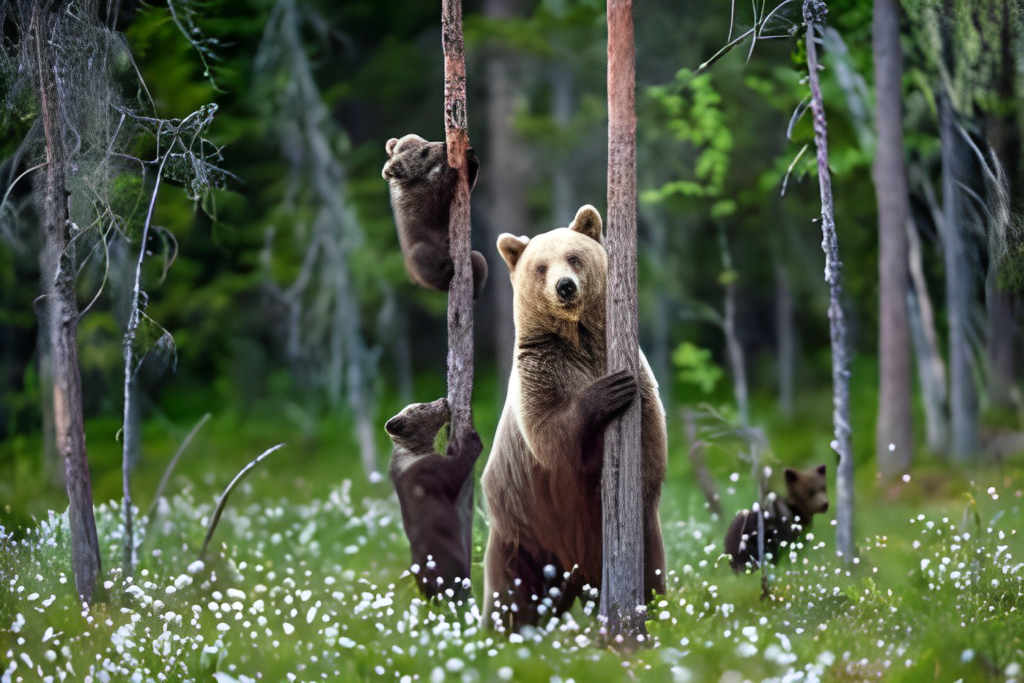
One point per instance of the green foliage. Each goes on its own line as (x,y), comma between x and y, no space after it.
(695,366)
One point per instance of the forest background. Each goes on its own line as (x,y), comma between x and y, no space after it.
(276,299)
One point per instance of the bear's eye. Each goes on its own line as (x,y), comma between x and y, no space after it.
(542,269)
(574,261)
(424,153)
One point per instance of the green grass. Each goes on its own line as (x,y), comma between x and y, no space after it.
(305,580)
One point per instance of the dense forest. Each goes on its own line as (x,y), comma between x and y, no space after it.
(199,266)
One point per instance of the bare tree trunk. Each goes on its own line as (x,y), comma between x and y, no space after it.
(506,180)
(894,433)
(931,370)
(785,338)
(621,486)
(62,311)
(1004,135)
(813,12)
(460,291)
(737,367)
(564,203)
(960,291)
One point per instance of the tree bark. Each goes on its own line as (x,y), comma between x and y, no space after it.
(460,291)
(62,315)
(505,176)
(621,489)
(785,332)
(737,367)
(1005,138)
(814,12)
(931,370)
(961,290)
(894,433)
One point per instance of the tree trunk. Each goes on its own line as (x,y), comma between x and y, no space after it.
(961,290)
(931,370)
(62,317)
(1004,135)
(505,173)
(44,360)
(621,486)
(785,332)
(460,291)
(564,200)
(737,367)
(813,12)
(894,433)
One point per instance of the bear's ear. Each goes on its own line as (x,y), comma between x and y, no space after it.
(511,248)
(390,146)
(791,475)
(588,222)
(821,469)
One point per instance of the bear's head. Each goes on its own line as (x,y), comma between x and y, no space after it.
(558,277)
(411,158)
(416,427)
(808,489)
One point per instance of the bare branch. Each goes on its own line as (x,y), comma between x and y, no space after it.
(222,501)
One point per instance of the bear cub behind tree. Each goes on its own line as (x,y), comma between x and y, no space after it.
(432,492)
(422,185)
(785,520)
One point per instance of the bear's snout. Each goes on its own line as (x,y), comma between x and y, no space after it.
(824,507)
(566,289)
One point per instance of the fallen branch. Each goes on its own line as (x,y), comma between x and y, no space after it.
(222,501)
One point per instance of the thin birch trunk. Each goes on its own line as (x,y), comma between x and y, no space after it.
(813,11)
(621,487)
(737,367)
(460,291)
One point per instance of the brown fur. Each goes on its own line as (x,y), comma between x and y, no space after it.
(785,521)
(429,486)
(543,478)
(422,187)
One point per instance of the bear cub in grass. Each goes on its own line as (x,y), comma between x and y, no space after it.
(785,520)
(422,185)
(434,493)
(543,478)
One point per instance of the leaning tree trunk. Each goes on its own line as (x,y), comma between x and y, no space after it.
(814,12)
(621,487)
(62,314)
(506,179)
(893,434)
(460,291)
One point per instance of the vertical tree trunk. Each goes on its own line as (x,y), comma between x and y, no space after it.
(931,370)
(621,492)
(893,435)
(564,204)
(737,367)
(62,312)
(961,290)
(813,12)
(1004,135)
(460,291)
(785,333)
(506,180)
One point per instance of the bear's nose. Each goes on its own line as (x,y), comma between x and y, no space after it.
(566,288)
(824,507)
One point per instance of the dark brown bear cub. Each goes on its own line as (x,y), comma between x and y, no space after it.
(432,492)
(422,188)
(785,520)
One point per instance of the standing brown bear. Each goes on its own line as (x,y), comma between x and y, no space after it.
(543,478)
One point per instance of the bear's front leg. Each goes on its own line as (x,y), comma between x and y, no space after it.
(601,402)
